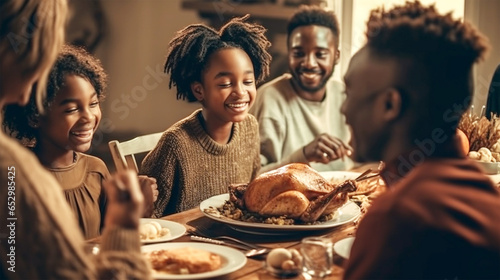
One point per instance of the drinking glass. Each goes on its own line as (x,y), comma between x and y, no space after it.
(317,253)
(91,248)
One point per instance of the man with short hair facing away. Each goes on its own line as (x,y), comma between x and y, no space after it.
(406,90)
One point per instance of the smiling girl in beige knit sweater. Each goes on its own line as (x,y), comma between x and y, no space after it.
(201,155)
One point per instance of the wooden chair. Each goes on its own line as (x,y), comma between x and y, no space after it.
(123,152)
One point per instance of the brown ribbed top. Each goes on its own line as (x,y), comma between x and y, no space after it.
(81,182)
(190,166)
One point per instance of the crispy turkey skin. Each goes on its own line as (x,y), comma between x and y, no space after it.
(295,190)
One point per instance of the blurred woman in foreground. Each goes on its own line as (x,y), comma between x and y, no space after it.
(41,238)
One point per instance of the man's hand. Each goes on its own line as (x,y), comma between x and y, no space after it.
(125,200)
(326,148)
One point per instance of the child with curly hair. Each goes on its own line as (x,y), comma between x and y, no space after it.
(63,133)
(201,155)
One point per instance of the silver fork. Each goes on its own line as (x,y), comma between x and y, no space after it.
(224,237)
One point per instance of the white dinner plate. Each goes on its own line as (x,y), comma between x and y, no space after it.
(346,213)
(489,168)
(495,178)
(176,230)
(343,247)
(339,175)
(232,259)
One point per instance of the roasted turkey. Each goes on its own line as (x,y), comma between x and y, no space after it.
(295,190)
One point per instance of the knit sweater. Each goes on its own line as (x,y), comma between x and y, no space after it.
(82,185)
(190,166)
(43,240)
(288,122)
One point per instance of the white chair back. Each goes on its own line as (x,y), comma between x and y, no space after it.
(123,152)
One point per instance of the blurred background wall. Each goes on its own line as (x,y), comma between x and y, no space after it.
(133,38)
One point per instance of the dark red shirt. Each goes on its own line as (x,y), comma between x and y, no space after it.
(441,220)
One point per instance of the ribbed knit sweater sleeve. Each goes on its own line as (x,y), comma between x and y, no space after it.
(47,241)
(162,163)
(189,166)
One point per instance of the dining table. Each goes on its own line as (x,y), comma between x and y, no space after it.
(254,269)
(195,220)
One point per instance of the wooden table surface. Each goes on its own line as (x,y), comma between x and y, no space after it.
(253,269)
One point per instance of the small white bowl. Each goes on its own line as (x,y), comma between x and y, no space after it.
(490,167)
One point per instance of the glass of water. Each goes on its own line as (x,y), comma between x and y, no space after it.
(91,248)
(317,253)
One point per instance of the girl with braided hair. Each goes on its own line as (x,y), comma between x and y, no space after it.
(217,145)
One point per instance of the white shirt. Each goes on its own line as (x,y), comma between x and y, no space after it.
(288,122)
